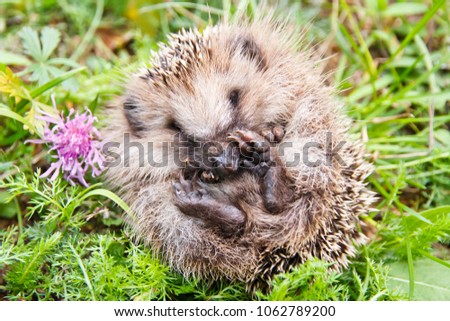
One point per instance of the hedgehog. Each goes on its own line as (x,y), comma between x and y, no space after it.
(235,155)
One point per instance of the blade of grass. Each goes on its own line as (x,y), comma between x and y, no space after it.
(90,33)
(379,106)
(410,262)
(413,213)
(19,219)
(112,196)
(49,85)
(365,284)
(83,270)
(415,162)
(362,43)
(417,28)
(435,259)
(190,5)
(4,111)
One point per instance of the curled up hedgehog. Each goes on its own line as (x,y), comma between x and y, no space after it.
(235,157)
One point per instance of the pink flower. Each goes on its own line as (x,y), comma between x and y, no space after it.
(77,144)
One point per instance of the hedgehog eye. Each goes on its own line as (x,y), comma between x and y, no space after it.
(174,126)
(234,97)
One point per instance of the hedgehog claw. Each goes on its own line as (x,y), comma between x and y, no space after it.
(209,177)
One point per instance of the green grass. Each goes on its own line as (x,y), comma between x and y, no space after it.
(390,63)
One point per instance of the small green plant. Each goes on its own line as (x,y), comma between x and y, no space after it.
(40,49)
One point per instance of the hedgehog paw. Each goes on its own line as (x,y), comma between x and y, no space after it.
(259,157)
(192,198)
(255,151)
(275,191)
(274,134)
(186,192)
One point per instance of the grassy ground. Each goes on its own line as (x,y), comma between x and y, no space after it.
(390,60)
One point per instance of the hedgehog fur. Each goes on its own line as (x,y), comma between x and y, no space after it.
(252,215)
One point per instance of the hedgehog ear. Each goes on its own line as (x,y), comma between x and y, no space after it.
(250,49)
(131,112)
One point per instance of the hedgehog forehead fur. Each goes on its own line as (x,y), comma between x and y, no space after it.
(204,70)
(248,79)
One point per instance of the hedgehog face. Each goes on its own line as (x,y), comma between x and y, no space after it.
(205,100)
(220,100)
(219,96)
